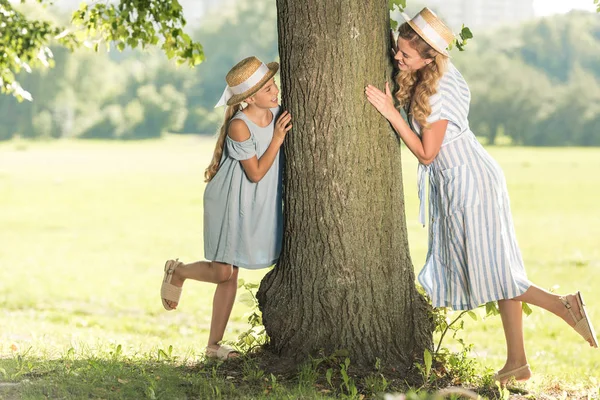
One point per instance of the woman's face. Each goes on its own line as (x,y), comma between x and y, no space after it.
(408,58)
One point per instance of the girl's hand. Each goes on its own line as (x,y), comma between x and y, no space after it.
(282,126)
(383,102)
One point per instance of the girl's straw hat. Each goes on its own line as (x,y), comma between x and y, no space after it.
(431,28)
(245,79)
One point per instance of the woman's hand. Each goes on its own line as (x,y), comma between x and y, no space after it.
(282,126)
(383,102)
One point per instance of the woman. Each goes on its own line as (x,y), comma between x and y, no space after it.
(473,256)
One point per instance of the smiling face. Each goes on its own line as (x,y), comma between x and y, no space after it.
(408,58)
(267,96)
(413,52)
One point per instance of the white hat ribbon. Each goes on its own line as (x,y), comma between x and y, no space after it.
(248,84)
(428,31)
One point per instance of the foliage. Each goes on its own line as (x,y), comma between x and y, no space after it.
(140,23)
(24,46)
(25,42)
(256,335)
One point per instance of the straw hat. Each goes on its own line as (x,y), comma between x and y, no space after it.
(245,79)
(431,28)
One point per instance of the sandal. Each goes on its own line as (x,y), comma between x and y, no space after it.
(224,352)
(582,326)
(522,373)
(167,291)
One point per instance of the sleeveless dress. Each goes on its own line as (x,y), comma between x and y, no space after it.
(243,220)
(473,256)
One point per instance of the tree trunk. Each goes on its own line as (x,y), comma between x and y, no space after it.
(345,280)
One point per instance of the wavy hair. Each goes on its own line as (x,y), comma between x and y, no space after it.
(213,167)
(416,87)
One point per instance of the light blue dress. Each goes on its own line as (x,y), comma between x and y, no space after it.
(243,220)
(473,256)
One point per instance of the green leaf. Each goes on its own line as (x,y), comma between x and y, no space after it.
(473,315)
(328,376)
(247,299)
(526,309)
(428,360)
(491,308)
(466,33)
(400,4)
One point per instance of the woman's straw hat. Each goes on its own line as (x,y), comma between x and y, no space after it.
(431,28)
(245,79)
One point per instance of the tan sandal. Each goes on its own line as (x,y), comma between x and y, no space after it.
(582,326)
(522,373)
(167,291)
(224,352)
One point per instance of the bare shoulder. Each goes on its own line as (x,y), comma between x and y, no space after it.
(238,130)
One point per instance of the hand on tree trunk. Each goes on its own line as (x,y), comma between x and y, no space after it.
(282,126)
(383,102)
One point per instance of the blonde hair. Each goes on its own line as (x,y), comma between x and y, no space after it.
(418,86)
(213,167)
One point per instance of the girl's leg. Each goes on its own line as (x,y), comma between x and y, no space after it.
(203,271)
(222,305)
(512,322)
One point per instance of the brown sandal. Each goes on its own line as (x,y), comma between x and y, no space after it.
(522,373)
(582,326)
(224,352)
(167,291)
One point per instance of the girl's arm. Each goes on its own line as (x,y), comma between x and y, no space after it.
(256,168)
(426,147)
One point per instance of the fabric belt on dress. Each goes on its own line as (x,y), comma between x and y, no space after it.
(422,174)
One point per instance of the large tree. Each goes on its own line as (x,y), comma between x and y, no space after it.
(345,279)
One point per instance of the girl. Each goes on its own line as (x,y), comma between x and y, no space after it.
(243,222)
(473,257)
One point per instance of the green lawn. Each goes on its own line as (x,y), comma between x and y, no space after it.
(87,226)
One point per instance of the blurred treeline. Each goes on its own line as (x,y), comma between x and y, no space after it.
(535,84)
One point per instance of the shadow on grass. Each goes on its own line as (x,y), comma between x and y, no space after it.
(140,377)
(117,378)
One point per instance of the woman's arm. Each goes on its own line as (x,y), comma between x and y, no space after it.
(426,147)
(256,168)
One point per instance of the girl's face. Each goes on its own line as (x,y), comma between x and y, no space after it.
(408,58)
(267,96)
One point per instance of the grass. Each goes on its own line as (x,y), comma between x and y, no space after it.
(86,227)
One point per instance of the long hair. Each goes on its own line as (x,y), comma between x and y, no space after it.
(213,167)
(418,86)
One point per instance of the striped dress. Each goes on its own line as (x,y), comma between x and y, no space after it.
(473,256)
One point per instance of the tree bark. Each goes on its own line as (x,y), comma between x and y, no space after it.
(345,280)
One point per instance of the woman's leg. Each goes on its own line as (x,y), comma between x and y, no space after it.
(512,322)
(203,271)
(551,302)
(222,305)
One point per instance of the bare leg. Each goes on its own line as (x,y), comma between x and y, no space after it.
(203,271)
(512,322)
(222,305)
(551,302)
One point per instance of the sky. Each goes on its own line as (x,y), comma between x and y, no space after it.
(549,7)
